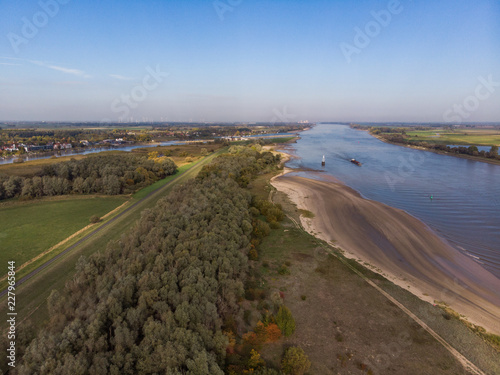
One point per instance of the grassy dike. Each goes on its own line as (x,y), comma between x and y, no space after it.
(23,225)
(343,323)
(31,296)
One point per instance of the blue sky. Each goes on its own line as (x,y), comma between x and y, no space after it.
(249,61)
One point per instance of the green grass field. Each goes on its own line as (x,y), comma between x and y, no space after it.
(475,137)
(28,229)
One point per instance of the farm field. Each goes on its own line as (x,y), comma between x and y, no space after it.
(474,137)
(28,229)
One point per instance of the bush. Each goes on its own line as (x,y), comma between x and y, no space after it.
(285,321)
(274,225)
(255,360)
(283,270)
(254,211)
(273,333)
(253,254)
(94,219)
(272,212)
(295,361)
(260,229)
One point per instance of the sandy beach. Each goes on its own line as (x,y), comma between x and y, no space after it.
(402,247)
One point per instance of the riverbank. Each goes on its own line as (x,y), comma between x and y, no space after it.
(439,152)
(399,246)
(42,155)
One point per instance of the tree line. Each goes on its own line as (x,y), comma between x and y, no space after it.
(165,298)
(464,150)
(100,174)
(44,136)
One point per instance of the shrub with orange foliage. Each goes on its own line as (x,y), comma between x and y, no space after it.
(231,341)
(260,331)
(253,254)
(252,339)
(273,333)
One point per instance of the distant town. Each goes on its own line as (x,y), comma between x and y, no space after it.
(19,140)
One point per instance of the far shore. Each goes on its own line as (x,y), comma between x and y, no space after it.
(397,245)
(439,152)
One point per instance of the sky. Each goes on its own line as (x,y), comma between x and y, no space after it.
(250,61)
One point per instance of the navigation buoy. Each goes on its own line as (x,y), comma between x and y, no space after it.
(432,197)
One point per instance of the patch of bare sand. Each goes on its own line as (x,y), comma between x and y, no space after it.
(404,248)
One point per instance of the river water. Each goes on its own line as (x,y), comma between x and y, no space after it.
(465,203)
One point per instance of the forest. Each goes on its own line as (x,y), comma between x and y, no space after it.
(100,174)
(166,297)
(73,136)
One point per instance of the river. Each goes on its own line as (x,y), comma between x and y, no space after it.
(465,203)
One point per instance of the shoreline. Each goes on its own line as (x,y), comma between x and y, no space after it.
(396,245)
(439,152)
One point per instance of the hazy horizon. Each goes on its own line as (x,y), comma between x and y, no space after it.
(280,61)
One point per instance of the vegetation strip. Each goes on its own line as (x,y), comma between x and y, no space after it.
(182,269)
